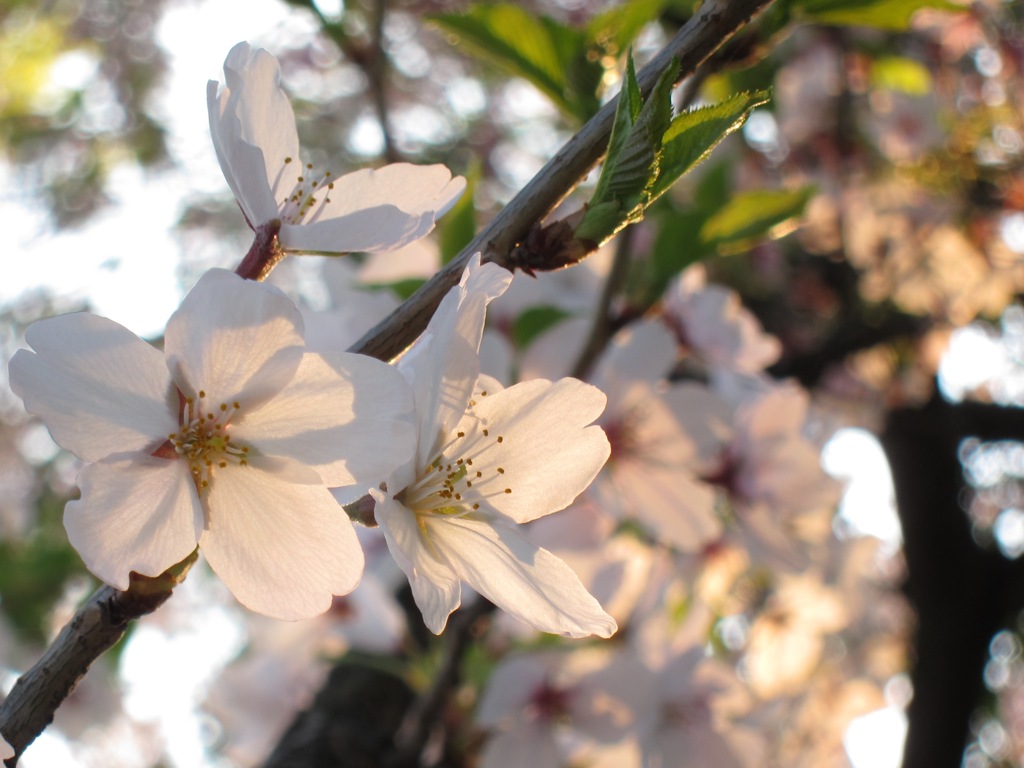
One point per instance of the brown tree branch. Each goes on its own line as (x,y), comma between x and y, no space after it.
(95,628)
(696,41)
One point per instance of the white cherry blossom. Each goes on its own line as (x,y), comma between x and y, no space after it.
(485,463)
(229,438)
(254,134)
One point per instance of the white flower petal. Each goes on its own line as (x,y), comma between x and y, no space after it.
(372,230)
(435,586)
(443,366)
(522,579)
(375,209)
(137,513)
(282,548)
(236,339)
(341,414)
(98,387)
(252,111)
(243,164)
(548,452)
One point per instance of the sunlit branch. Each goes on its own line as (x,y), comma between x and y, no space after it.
(95,628)
(696,41)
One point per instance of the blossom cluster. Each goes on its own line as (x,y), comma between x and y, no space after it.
(693,510)
(232,437)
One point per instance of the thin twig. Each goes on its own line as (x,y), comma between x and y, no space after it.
(424,714)
(695,42)
(95,628)
(601,328)
(375,66)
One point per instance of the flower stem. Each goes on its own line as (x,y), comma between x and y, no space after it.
(264,254)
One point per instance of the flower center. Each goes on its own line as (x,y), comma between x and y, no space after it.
(551,703)
(461,477)
(203,439)
(306,201)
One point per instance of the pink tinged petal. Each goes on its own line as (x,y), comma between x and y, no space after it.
(779,412)
(642,352)
(341,414)
(510,688)
(236,339)
(677,509)
(6,750)
(283,548)
(444,364)
(98,387)
(522,579)
(532,744)
(547,454)
(137,513)
(435,585)
(698,416)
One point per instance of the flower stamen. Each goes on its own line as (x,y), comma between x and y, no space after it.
(203,440)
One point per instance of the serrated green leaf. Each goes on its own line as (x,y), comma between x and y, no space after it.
(898,73)
(533,322)
(893,15)
(552,56)
(632,162)
(457,227)
(753,214)
(636,167)
(693,135)
(626,113)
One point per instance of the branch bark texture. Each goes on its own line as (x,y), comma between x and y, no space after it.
(95,628)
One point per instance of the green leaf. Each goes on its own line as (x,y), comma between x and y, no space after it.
(552,56)
(626,113)
(894,15)
(533,322)
(898,73)
(752,215)
(32,580)
(457,227)
(636,166)
(692,135)
(615,29)
(632,161)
